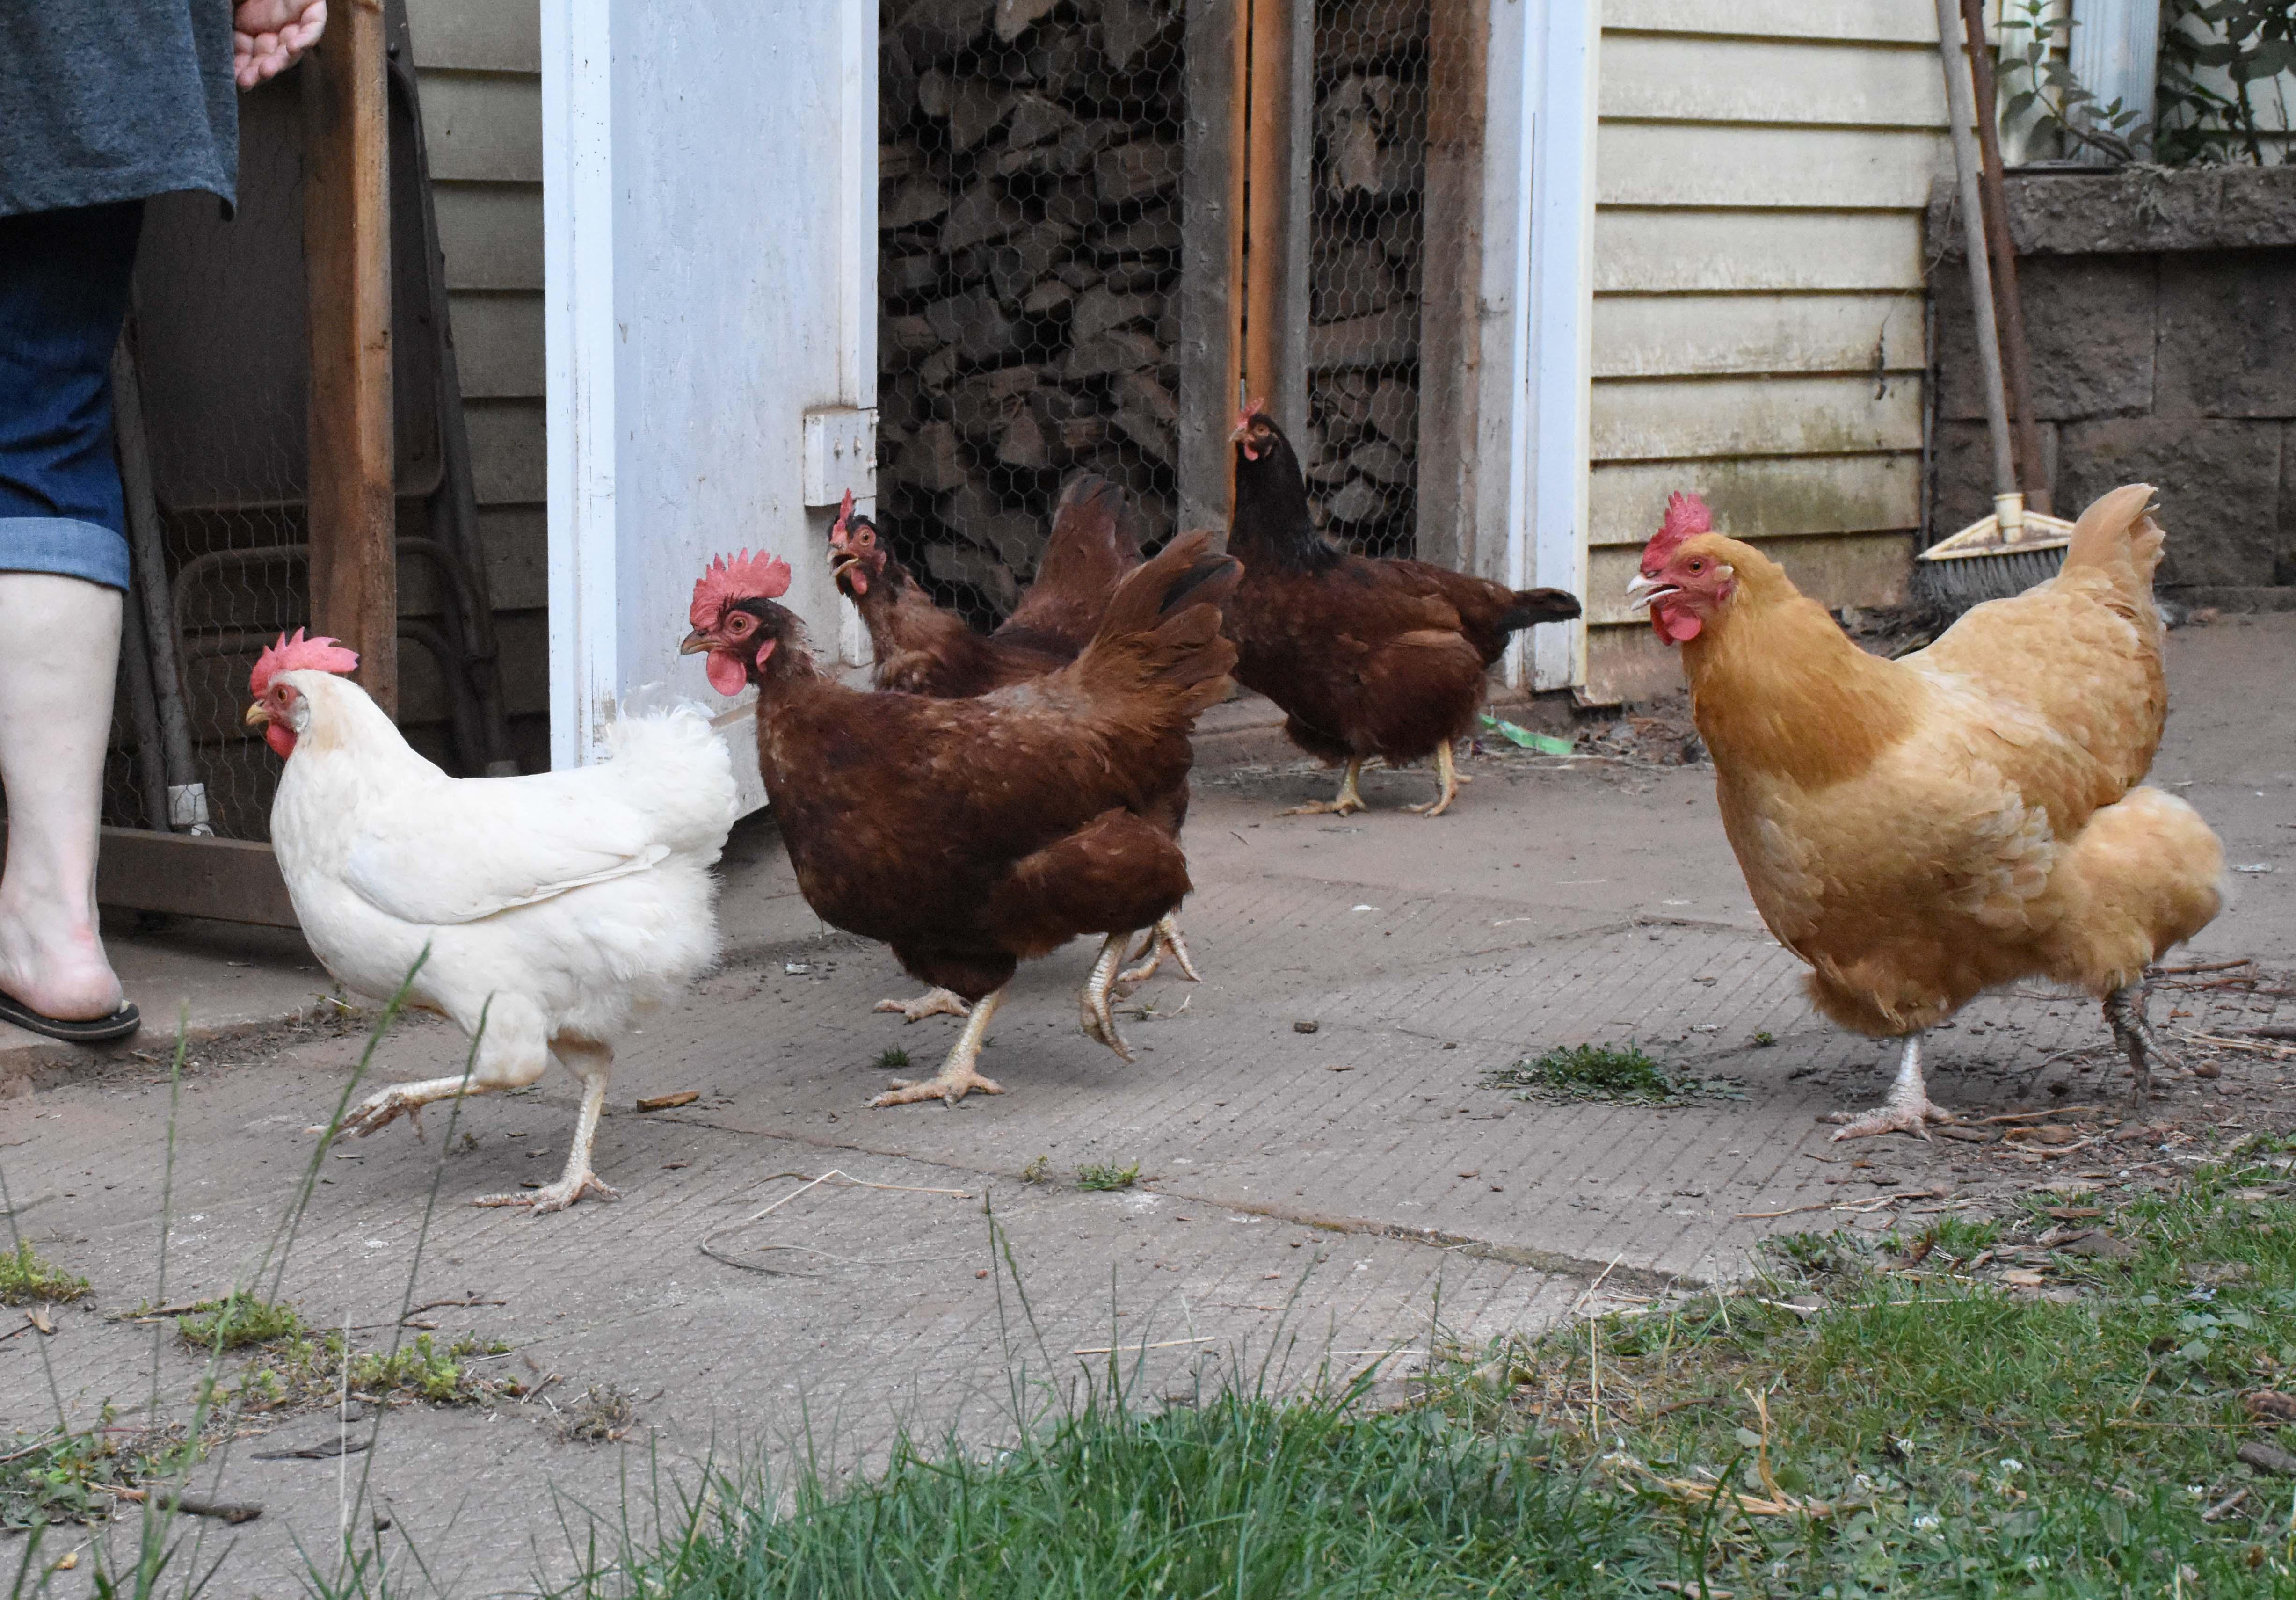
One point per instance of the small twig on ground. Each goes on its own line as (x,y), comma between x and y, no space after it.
(434,1305)
(229,1511)
(2202,966)
(2055,1111)
(2223,1507)
(859,1183)
(662,1102)
(1166,1344)
(2272,1030)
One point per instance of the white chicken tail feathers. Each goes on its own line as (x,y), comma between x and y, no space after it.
(676,768)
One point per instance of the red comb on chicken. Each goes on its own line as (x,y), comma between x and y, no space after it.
(292,652)
(727,579)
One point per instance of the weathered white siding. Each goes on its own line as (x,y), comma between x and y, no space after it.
(479,62)
(1761,168)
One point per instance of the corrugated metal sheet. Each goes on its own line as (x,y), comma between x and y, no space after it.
(1761,167)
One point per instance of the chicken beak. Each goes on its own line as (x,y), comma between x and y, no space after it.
(697,643)
(1641,591)
(257,714)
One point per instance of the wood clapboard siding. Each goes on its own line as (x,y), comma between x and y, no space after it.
(1760,170)
(479,63)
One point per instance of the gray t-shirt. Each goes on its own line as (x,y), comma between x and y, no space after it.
(110,100)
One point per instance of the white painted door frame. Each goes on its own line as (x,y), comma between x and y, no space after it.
(1538,302)
(709,263)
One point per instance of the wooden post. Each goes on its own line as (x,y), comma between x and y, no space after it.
(347,259)
(1450,323)
(1278,138)
(1211,272)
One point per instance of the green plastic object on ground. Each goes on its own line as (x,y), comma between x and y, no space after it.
(1546,744)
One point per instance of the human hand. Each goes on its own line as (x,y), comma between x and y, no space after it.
(268,36)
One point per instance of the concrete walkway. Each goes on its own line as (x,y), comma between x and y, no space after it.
(1329,1194)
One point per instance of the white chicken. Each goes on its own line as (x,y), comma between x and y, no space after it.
(553,906)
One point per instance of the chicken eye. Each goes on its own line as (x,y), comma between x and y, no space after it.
(739,623)
(1698,564)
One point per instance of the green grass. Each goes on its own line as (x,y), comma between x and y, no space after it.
(1038,1171)
(1242,1496)
(25,1278)
(1107,1177)
(63,1476)
(1864,1420)
(237,1321)
(892,1058)
(1626,1077)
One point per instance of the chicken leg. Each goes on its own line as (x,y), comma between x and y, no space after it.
(1349,798)
(1907,1109)
(1097,1020)
(937,1002)
(1163,939)
(594,1064)
(1446,771)
(960,1074)
(2124,1009)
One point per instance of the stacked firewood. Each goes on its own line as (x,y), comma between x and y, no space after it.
(1370,178)
(1029,237)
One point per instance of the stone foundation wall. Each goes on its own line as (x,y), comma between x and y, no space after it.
(2161,314)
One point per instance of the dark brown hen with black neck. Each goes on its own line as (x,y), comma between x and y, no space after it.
(1367,656)
(972,834)
(921,648)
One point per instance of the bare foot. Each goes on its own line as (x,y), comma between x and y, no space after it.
(557,1197)
(58,970)
(939,1003)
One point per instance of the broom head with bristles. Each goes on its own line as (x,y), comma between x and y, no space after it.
(2005,555)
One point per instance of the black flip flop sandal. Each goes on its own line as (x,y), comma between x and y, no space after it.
(98,1031)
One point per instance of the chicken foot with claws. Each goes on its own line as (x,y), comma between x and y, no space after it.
(939,1003)
(1348,799)
(1163,939)
(592,1063)
(2124,1009)
(1908,1110)
(1094,1015)
(1447,772)
(960,1074)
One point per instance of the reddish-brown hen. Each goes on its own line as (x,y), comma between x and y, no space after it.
(923,649)
(972,834)
(1367,657)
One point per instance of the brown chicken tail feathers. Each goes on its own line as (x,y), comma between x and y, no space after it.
(1161,634)
(2116,535)
(1531,607)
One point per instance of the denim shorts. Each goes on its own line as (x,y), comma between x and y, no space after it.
(63,294)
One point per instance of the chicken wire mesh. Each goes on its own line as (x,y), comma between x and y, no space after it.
(212,395)
(1029,238)
(1366,230)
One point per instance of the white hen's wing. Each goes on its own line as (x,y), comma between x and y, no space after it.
(466,848)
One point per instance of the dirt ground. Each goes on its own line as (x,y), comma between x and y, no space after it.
(1325,1172)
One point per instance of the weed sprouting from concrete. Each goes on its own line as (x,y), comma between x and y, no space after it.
(1037,1170)
(1624,1077)
(1107,1177)
(25,1278)
(892,1058)
(604,1415)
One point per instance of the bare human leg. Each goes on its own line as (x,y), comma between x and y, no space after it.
(959,1074)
